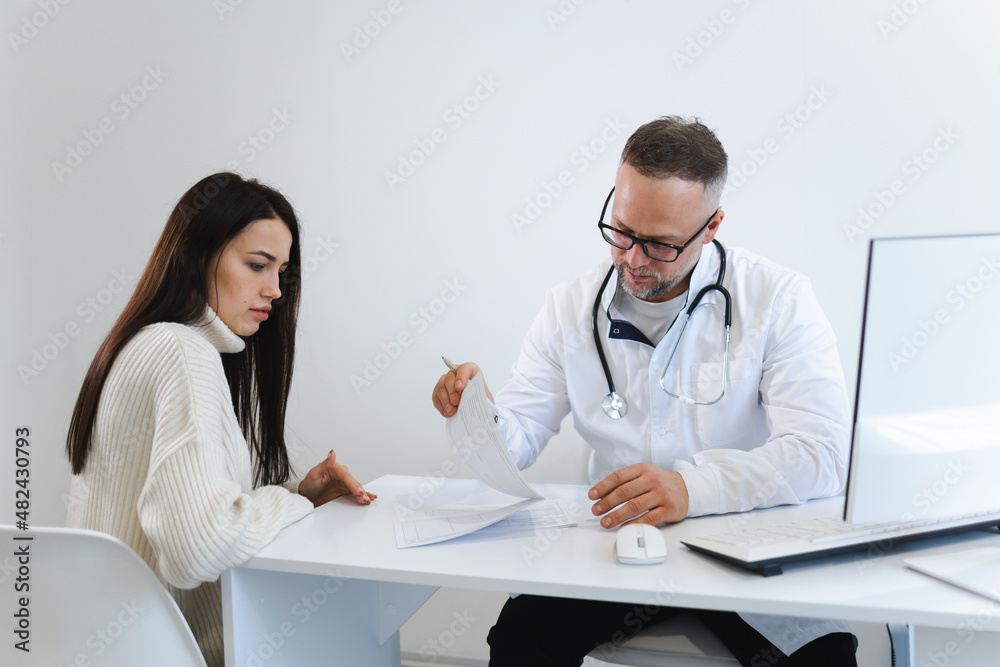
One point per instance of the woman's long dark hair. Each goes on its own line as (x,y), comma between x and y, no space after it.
(173,287)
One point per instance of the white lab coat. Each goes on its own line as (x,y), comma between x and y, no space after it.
(779,435)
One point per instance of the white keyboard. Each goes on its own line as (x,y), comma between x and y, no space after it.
(754,544)
(827,528)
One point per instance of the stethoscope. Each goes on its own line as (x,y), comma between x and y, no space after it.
(614,405)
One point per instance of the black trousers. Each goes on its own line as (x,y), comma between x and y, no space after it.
(534,631)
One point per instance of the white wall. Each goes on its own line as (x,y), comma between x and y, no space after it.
(873,85)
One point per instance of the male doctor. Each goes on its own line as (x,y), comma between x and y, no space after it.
(778,434)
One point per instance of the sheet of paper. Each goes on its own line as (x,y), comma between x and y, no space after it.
(474,436)
(543,514)
(431,529)
(976,570)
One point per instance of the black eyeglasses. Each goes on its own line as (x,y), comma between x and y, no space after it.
(661,252)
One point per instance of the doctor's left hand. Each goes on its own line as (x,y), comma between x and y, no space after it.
(639,488)
(330,480)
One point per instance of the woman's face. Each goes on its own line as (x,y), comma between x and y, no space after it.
(243,276)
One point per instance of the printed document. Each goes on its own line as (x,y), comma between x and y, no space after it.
(475,438)
(446,523)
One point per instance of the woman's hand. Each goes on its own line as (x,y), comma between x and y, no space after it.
(330,480)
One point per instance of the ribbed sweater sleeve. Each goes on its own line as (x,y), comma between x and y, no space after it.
(197,507)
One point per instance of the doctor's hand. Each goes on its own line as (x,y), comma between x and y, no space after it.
(330,480)
(642,487)
(448,390)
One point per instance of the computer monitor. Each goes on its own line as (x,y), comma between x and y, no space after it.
(926,441)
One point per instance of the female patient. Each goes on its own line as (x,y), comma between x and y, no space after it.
(177,438)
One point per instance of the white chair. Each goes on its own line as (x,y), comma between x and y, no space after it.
(92,601)
(680,641)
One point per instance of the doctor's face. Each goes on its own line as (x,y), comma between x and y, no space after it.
(668,210)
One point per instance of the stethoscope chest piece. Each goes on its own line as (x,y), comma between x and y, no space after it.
(614,405)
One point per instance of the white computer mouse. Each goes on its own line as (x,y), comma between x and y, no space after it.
(640,544)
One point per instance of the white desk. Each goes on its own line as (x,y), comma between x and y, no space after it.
(334,584)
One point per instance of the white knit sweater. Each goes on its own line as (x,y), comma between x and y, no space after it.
(170,473)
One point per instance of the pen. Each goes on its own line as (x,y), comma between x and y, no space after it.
(451,367)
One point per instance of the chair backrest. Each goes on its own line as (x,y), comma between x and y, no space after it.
(90,601)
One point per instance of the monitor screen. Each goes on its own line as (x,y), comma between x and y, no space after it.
(926,441)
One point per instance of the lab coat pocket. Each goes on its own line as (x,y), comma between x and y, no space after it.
(732,418)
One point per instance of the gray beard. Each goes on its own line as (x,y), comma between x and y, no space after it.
(657,289)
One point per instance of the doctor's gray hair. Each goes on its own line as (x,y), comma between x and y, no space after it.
(673,146)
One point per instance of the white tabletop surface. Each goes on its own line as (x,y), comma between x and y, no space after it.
(347,540)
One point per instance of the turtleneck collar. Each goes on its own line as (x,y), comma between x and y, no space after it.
(211,327)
